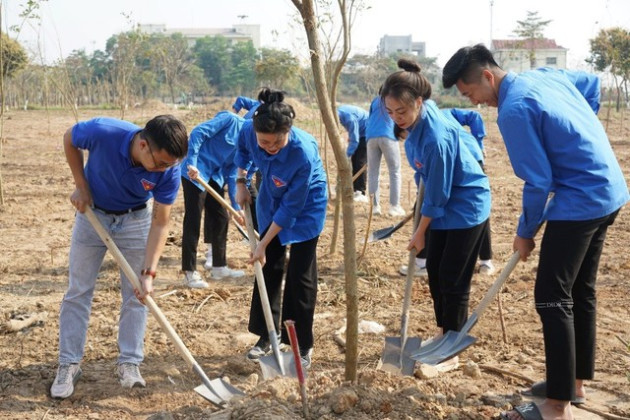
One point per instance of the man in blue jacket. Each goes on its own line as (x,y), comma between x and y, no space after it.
(558,146)
(354,120)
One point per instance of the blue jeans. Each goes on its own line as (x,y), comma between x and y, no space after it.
(129,232)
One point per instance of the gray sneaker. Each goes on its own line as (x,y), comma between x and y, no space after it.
(260,349)
(305,358)
(67,377)
(129,375)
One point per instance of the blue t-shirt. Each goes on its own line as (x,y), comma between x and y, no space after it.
(114,182)
(379,123)
(557,145)
(293,192)
(457,192)
(353,120)
(211,148)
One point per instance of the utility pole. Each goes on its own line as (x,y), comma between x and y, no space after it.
(490,43)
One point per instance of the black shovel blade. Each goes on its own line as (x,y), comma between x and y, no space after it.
(271,369)
(379,234)
(218,392)
(446,347)
(397,360)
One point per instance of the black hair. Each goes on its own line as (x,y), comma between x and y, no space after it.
(407,84)
(167,133)
(273,115)
(466,65)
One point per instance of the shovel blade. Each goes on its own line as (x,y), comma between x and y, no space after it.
(271,369)
(218,392)
(397,360)
(446,347)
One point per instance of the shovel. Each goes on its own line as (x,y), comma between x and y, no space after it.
(224,203)
(452,343)
(278,363)
(385,233)
(397,353)
(217,391)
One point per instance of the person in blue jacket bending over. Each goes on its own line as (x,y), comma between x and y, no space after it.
(291,210)
(354,120)
(248,104)
(457,194)
(573,181)
(211,150)
(381,141)
(472,119)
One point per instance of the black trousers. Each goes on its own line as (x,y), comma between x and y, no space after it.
(215,225)
(300,291)
(451,259)
(359,159)
(566,300)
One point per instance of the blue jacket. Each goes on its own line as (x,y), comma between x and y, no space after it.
(473,120)
(353,120)
(557,145)
(469,139)
(457,192)
(379,123)
(211,148)
(293,192)
(588,84)
(248,103)
(114,182)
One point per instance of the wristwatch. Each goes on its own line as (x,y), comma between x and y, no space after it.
(241,180)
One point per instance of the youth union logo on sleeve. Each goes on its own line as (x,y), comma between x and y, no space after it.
(417,164)
(147,185)
(278,182)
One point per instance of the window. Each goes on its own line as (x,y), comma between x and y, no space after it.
(551,61)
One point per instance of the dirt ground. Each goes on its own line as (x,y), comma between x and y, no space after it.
(35,227)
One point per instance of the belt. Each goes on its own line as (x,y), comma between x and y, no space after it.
(120,212)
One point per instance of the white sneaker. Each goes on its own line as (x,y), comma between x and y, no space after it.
(129,375)
(359,197)
(417,272)
(222,272)
(396,211)
(376,211)
(486,267)
(67,377)
(208,264)
(193,280)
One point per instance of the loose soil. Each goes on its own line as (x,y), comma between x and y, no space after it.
(35,226)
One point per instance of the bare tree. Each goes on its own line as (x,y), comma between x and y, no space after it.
(326,98)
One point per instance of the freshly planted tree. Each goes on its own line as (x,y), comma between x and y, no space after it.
(610,51)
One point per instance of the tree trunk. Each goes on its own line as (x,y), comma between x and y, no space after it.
(305,7)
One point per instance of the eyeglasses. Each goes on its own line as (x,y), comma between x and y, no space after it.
(162,165)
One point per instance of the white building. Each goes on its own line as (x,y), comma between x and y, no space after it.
(390,44)
(237,33)
(525,54)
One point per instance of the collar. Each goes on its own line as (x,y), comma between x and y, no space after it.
(507,81)
(125,147)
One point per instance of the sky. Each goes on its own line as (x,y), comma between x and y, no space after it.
(444,25)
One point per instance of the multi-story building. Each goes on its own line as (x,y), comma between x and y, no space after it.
(525,54)
(237,33)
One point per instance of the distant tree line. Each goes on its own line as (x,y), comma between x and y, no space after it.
(135,67)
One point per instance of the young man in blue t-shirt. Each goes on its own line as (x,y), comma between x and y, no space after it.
(127,165)
(558,146)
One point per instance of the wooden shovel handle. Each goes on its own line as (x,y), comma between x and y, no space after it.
(133,278)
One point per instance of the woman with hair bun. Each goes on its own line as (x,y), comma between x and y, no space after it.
(457,193)
(291,209)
